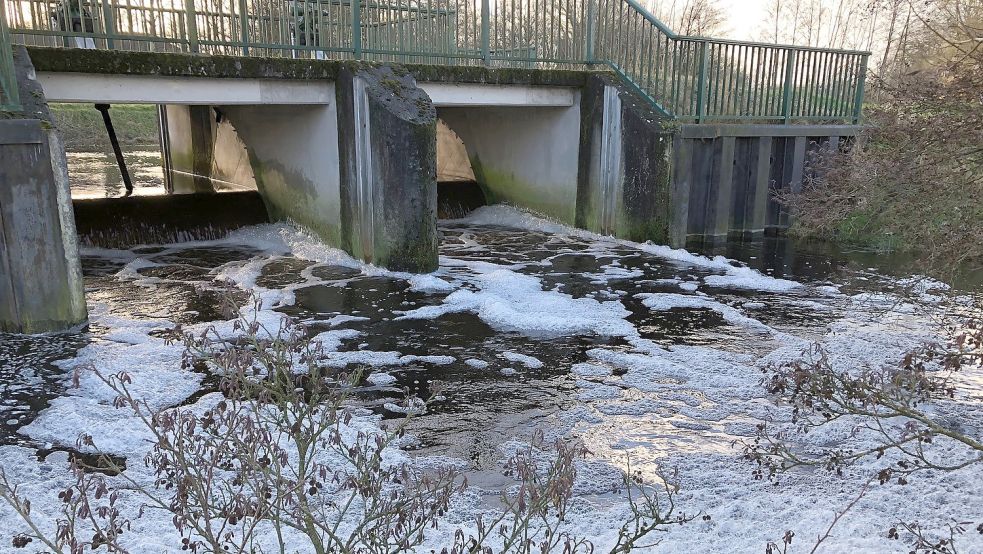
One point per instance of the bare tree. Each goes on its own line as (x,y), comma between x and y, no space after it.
(691,17)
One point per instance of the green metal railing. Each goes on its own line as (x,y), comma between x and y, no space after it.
(9,96)
(688,78)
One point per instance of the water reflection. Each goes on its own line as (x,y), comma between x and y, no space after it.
(96,174)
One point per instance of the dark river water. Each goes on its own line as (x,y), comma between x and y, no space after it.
(653,357)
(484,406)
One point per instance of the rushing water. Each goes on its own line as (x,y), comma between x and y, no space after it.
(176,284)
(640,350)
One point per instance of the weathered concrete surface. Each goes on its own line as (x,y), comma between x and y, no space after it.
(527,157)
(387,145)
(293,151)
(76,60)
(135,220)
(624,165)
(41,285)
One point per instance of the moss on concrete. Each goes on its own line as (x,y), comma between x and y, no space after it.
(169,64)
(504,187)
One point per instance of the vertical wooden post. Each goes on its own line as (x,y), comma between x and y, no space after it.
(486,33)
(789,85)
(858,99)
(357,28)
(192,22)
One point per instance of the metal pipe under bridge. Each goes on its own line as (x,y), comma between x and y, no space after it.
(591,112)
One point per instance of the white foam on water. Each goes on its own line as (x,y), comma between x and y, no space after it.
(510,301)
(661,301)
(750,279)
(430,284)
(476,363)
(380,379)
(735,275)
(528,361)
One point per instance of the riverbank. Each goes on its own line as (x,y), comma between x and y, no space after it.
(82,128)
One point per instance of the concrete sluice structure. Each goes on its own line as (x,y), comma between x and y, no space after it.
(350,151)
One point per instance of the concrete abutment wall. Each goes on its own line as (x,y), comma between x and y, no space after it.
(41,285)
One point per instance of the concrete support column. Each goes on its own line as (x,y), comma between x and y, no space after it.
(387,145)
(41,285)
(682,178)
(623,180)
(758,216)
(189,147)
(752,173)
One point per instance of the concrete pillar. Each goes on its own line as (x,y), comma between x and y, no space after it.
(796,173)
(624,169)
(752,177)
(762,186)
(387,145)
(680,191)
(699,174)
(41,285)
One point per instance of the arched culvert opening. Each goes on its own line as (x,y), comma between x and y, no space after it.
(458,192)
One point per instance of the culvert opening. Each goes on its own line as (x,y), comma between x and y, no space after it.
(458,192)
(149,174)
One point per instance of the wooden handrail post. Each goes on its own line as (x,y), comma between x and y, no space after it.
(357,28)
(486,33)
(858,99)
(789,86)
(192,22)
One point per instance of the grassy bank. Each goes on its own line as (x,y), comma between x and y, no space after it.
(82,128)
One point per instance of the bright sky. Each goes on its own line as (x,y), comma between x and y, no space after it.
(746,18)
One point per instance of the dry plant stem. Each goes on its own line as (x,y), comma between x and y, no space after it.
(279,451)
(888,402)
(839,515)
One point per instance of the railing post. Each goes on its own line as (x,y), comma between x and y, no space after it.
(589,34)
(858,99)
(486,33)
(789,85)
(701,93)
(244,26)
(190,14)
(109,24)
(357,28)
